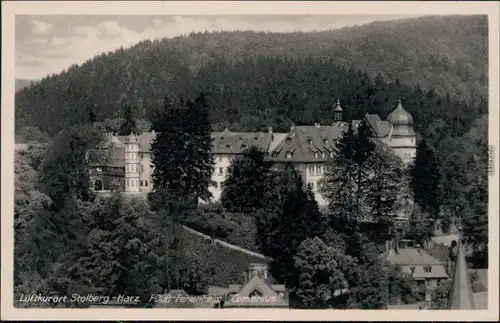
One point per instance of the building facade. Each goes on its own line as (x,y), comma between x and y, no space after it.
(307,148)
(413,260)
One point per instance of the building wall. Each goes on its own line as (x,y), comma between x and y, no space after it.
(220,173)
(145,172)
(132,168)
(403,146)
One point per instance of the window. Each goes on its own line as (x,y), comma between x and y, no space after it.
(227,171)
(318,170)
(323,155)
(288,155)
(146,183)
(142,183)
(215,184)
(310,186)
(142,168)
(325,141)
(331,154)
(428,269)
(311,170)
(221,171)
(133,183)
(128,184)
(255,293)
(412,269)
(316,155)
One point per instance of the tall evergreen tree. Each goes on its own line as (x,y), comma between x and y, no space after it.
(425,179)
(181,150)
(245,188)
(129,125)
(291,217)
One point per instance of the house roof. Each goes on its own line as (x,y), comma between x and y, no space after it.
(418,259)
(270,298)
(461,289)
(303,141)
(227,142)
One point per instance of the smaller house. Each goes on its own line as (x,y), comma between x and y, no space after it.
(256,291)
(426,270)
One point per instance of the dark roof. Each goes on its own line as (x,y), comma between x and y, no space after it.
(410,256)
(304,141)
(228,142)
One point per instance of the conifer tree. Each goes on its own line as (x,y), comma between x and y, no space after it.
(246,186)
(129,125)
(291,217)
(182,158)
(425,179)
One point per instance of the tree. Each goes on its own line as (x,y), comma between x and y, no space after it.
(129,125)
(92,116)
(182,157)
(64,171)
(402,288)
(363,185)
(440,296)
(124,248)
(245,188)
(317,275)
(293,217)
(420,226)
(425,179)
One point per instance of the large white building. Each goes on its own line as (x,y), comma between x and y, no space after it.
(308,148)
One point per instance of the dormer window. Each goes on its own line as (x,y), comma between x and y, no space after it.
(331,154)
(228,146)
(288,154)
(316,155)
(325,141)
(243,146)
(323,155)
(428,269)
(309,140)
(412,269)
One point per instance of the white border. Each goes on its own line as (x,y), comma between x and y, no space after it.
(11,8)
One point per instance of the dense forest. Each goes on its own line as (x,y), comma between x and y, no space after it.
(279,78)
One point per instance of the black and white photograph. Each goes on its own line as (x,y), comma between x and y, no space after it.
(335,160)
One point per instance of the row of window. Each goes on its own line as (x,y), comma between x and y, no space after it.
(317,155)
(135,183)
(221,171)
(133,168)
(315,171)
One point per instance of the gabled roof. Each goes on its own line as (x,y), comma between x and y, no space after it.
(410,256)
(304,141)
(270,298)
(461,297)
(228,142)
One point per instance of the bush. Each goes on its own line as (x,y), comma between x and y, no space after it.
(235,228)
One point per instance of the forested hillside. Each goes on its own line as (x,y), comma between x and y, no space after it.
(279,78)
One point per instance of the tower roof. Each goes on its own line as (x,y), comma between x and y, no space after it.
(461,297)
(338,107)
(400,117)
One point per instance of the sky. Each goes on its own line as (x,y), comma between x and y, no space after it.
(51,43)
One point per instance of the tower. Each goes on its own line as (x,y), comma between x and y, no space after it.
(402,138)
(132,164)
(461,297)
(337,113)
